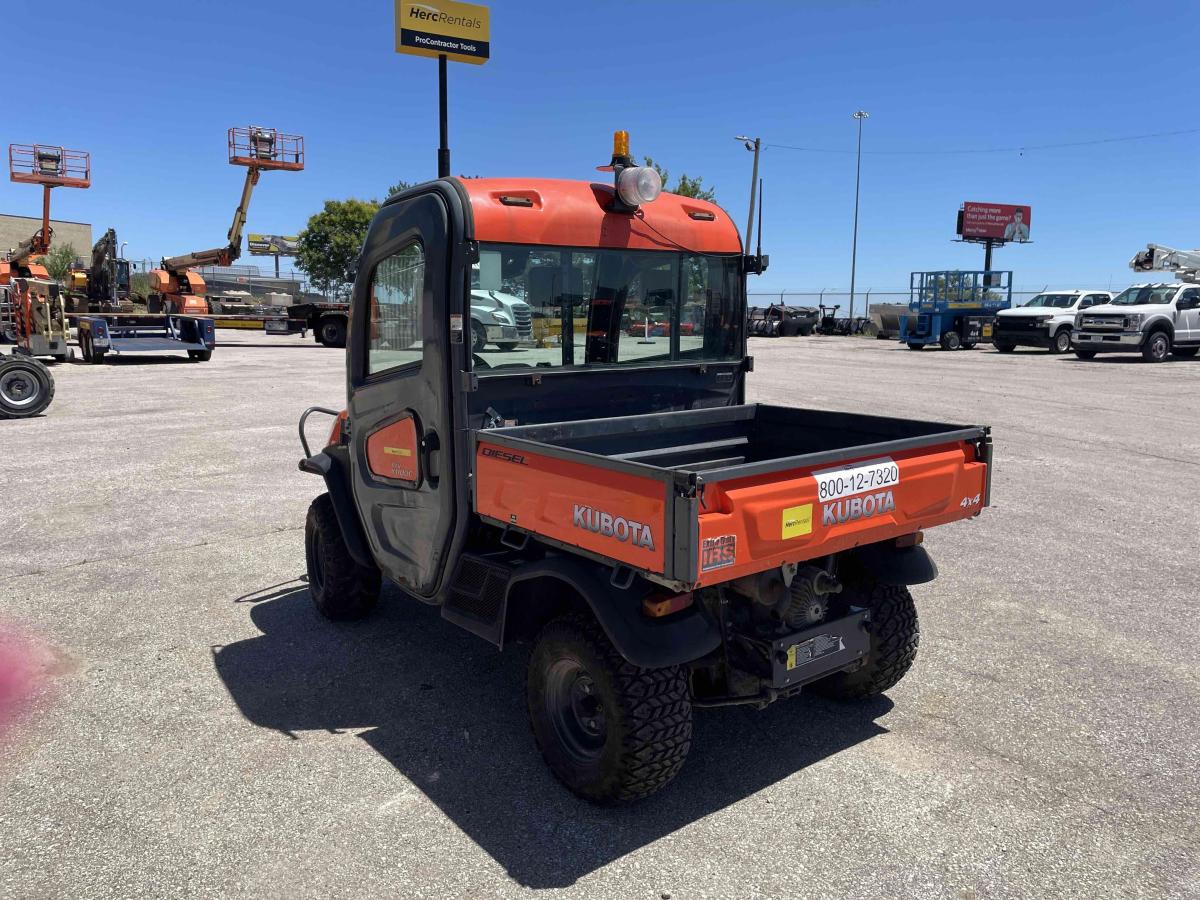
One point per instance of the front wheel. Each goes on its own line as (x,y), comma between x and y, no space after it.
(913,346)
(951,341)
(1004,347)
(1157,347)
(331,332)
(895,635)
(26,387)
(1061,342)
(478,337)
(1086,354)
(610,731)
(507,346)
(340,587)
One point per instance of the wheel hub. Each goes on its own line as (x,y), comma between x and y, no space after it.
(18,388)
(576,711)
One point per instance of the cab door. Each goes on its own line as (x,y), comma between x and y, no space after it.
(1187,318)
(400,396)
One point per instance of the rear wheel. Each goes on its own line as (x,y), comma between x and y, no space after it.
(1157,347)
(331,331)
(916,346)
(85,346)
(610,731)
(1061,342)
(951,341)
(895,635)
(1004,346)
(26,387)
(507,345)
(199,355)
(1086,354)
(340,587)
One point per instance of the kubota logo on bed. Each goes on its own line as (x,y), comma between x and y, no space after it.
(608,525)
(848,510)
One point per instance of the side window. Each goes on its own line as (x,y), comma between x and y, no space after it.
(1190,294)
(395,322)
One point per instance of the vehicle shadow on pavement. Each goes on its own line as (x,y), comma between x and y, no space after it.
(447,711)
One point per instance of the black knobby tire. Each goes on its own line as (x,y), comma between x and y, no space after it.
(1004,347)
(640,728)
(951,340)
(340,587)
(895,635)
(1061,342)
(1086,354)
(508,346)
(1184,352)
(478,337)
(1157,347)
(331,331)
(26,387)
(85,346)
(199,355)
(912,346)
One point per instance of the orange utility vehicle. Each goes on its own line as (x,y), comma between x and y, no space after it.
(176,286)
(32,307)
(611,497)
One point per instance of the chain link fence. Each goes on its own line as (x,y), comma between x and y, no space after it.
(863,300)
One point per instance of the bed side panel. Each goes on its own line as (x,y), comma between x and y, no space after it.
(615,514)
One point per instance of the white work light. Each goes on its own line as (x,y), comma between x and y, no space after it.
(638,184)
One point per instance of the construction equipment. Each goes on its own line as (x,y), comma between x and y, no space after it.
(609,495)
(954,309)
(33,311)
(104,285)
(1157,258)
(176,286)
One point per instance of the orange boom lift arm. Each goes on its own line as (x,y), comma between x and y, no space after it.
(177,286)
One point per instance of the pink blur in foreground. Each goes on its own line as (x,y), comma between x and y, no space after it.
(20,668)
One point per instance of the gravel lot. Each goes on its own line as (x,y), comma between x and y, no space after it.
(196,729)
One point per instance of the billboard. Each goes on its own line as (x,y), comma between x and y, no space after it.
(995,221)
(273,244)
(458,31)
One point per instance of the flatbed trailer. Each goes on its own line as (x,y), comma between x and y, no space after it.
(123,334)
(328,322)
(692,498)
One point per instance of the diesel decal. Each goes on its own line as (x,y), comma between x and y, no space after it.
(718,552)
(504,455)
(841,511)
(608,525)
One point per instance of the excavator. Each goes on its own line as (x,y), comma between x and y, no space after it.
(104,285)
(176,285)
(1185,264)
(32,306)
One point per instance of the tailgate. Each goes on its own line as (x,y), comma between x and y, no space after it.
(751,524)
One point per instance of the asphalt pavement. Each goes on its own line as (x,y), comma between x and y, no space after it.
(195,729)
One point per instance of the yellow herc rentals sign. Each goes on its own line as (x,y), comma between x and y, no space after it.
(458,31)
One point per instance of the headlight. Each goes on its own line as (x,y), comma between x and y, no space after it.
(1134,322)
(639,184)
(1079,320)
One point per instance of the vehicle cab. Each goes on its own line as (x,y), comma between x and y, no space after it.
(1156,320)
(1045,321)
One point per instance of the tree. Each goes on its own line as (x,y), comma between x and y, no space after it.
(59,262)
(401,185)
(330,244)
(685,187)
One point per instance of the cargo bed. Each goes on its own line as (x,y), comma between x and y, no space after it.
(702,496)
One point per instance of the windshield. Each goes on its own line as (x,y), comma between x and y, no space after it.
(552,306)
(1058,301)
(1135,296)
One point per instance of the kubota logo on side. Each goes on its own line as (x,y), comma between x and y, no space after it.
(608,525)
(848,510)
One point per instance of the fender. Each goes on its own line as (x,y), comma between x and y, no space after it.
(1158,323)
(333,464)
(896,565)
(648,643)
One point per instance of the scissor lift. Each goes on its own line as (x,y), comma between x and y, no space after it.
(954,309)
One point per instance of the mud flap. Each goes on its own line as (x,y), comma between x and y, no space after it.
(890,564)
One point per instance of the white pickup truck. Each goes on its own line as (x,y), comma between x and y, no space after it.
(1045,321)
(1156,320)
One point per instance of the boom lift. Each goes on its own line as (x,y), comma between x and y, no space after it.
(32,306)
(177,287)
(1157,258)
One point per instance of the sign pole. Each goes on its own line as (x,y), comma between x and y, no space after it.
(443,123)
(987,255)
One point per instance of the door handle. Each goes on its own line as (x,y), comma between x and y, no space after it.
(431,446)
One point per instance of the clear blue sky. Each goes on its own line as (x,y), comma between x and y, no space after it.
(151,89)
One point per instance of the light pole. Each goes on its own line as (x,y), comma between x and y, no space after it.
(753,145)
(860,115)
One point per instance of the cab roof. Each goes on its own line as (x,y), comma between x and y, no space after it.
(561,213)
